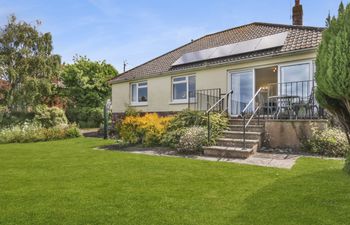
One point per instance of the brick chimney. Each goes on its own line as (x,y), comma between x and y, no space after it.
(298,13)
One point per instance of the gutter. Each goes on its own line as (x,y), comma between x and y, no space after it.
(208,66)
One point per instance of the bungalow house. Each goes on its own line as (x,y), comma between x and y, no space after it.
(258,68)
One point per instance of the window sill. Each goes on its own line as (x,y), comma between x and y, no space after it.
(136,104)
(178,102)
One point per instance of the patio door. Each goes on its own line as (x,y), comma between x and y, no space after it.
(242,84)
(296,79)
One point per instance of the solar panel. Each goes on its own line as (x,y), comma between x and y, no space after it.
(272,41)
(253,45)
(222,51)
(195,56)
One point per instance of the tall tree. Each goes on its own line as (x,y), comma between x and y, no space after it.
(86,83)
(26,64)
(333,67)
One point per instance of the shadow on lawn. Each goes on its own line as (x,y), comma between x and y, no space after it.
(321,197)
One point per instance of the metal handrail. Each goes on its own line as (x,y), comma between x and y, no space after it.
(251,101)
(221,99)
(243,114)
(226,96)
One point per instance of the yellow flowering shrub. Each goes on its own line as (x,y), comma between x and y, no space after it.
(147,129)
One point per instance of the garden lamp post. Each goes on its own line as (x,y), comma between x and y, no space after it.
(106,109)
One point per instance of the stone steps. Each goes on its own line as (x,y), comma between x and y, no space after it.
(229,152)
(250,128)
(231,144)
(239,134)
(240,121)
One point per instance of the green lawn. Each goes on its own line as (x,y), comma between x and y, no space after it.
(68,182)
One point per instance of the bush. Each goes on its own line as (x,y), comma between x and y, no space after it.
(171,138)
(86,117)
(188,118)
(34,132)
(130,111)
(50,116)
(72,131)
(330,142)
(147,130)
(192,140)
(9,119)
(3,112)
(218,124)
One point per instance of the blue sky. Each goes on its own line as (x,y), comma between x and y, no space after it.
(140,30)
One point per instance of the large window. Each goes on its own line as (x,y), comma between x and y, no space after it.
(139,93)
(183,87)
(295,80)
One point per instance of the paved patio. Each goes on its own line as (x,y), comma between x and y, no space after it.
(285,161)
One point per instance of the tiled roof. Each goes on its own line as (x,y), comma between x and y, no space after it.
(299,38)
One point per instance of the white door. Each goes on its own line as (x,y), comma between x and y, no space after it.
(242,84)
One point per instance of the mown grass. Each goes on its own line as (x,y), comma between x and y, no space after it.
(68,182)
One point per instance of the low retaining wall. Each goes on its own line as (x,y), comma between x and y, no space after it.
(290,133)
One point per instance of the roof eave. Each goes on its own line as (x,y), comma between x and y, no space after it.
(206,66)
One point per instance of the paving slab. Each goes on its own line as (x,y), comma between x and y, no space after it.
(284,161)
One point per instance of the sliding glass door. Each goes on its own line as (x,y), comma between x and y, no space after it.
(295,80)
(242,84)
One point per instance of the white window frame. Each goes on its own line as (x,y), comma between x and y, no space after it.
(187,88)
(311,69)
(229,87)
(308,62)
(137,103)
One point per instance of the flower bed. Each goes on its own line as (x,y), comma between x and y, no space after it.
(34,133)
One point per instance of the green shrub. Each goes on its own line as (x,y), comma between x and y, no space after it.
(188,118)
(50,116)
(9,119)
(147,130)
(330,142)
(218,124)
(192,140)
(131,111)
(35,132)
(72,131)
(3,112)
(172,137)
(86,117)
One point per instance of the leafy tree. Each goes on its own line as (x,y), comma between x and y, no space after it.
(333,68)
(27,65)
(86,86)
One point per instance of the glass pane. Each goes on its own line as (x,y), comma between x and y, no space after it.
(192,86)
(179,79)
(133,93)
(180,91)
(143,94)
(242,86)
(295,80)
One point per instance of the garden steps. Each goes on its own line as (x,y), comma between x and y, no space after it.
(240,121)
(230,144)
(250,128)
(229,152)
(239,134)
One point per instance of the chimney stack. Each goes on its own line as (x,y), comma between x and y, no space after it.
(298,14)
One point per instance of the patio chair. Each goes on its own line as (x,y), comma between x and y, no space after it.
(308,105)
